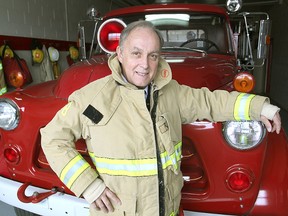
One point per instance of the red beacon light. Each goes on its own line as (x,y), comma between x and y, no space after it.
(244,82)
(109,34)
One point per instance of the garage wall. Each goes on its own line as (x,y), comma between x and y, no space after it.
(53,19)
(279,67)
(77,10)
(33,18)
(48,19)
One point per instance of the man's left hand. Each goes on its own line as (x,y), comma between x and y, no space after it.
(276,123)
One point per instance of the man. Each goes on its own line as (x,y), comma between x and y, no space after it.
(135,149)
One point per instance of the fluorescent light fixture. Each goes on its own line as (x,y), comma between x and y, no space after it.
(151,17)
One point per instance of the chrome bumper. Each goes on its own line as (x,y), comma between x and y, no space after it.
(57,204)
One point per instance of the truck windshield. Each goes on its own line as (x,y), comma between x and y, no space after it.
(183,31)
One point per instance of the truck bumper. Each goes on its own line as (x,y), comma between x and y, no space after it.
(57,204)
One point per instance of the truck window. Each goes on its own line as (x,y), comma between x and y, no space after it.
(208,32)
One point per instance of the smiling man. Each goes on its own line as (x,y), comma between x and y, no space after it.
(137,150)
(139,58)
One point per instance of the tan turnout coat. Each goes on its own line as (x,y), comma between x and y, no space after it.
(121,139)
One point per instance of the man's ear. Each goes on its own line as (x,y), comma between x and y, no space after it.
(119,54)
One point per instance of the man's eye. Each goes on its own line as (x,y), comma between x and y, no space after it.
(154,57)
(136,53)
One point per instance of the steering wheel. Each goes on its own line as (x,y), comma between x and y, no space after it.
(208,42)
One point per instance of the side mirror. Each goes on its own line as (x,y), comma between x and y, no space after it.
(235,43)
(92,22)
(81,43)
(264,39)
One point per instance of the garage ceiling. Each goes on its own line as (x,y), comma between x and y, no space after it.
(253,5)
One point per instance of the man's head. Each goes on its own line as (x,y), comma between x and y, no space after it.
(139,52)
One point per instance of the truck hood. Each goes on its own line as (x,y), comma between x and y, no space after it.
(211,71)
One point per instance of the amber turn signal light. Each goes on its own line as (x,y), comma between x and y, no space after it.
(244,82)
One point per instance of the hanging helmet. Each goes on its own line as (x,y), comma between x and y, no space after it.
(37,55)
(53,54)
(8,52)
(74,53)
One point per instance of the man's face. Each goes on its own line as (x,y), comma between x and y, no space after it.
(140,56)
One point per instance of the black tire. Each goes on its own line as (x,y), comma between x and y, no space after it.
(21,212)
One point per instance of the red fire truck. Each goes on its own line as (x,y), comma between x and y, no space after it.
(229,168)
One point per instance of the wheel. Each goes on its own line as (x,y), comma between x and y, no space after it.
(21,212)
(209,43)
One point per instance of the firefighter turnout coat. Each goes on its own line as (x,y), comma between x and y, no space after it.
(136,151)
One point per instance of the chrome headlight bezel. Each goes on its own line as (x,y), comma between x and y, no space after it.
(9,114)
(243,135)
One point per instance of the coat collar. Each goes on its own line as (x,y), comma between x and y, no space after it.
(162,78)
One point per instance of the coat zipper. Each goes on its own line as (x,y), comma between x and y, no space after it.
(159,163)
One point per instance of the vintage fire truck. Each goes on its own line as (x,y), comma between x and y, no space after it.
(229,168)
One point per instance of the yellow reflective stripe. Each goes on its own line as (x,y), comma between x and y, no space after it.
(92,156)
(172,159)
(143,167)
(172,214)
(241,108)
(65,109)
(73,169)
(137,167)
(3,90)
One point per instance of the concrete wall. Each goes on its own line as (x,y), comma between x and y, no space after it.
(50,19)
(279,67)
(77,10)
(33,18)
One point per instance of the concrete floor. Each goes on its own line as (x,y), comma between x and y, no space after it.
(7,210)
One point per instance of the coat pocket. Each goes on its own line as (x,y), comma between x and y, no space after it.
(169,129)
(170,133)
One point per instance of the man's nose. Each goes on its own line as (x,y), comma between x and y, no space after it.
(144,63)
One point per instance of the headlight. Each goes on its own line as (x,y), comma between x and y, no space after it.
(243,135)
(9,114)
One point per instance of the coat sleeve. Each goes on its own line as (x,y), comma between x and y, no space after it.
(58,142)
(219,105)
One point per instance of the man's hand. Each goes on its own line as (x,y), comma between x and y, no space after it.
(276,123)
(106,201)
